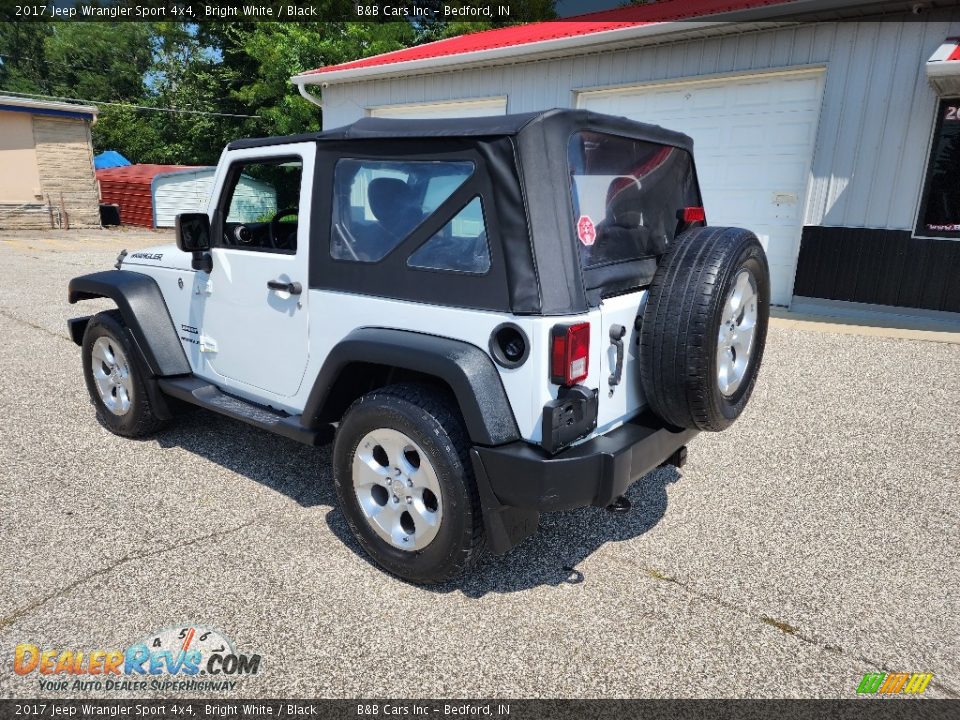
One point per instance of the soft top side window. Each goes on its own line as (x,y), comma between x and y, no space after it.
(459,246)
(378,203)
(626,195)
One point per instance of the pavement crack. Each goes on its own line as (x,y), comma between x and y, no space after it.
(42,329)
(786,628)
(9,620)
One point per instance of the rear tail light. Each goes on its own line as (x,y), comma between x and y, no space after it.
(693,214)
(569,353)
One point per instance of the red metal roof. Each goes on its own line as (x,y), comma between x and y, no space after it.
(515,35)
(130,187)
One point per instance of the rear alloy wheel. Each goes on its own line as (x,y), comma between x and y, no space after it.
(704,327)
(405,483)
(397,489)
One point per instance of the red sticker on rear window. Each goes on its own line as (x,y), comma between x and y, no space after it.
(586,230)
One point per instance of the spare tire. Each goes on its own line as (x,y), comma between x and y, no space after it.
(704,327)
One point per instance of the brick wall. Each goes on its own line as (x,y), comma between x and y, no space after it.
(65,161)
(26,216)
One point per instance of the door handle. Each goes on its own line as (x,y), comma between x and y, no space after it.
(294,288)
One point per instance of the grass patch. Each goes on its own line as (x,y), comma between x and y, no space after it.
(780,625)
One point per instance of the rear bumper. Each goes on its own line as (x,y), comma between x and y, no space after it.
(518,481)
(523,476)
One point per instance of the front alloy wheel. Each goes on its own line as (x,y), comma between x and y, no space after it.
(111,373)
(117,378)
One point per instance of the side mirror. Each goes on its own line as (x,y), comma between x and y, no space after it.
(193,232)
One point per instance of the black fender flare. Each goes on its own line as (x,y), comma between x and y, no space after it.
(144,311)
(465,368)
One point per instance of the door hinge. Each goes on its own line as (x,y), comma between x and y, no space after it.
(204,288)
(207,344)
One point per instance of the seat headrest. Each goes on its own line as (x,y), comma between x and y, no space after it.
(389,200)
(624,201)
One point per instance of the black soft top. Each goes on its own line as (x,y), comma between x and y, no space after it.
(526,195)
(552,123)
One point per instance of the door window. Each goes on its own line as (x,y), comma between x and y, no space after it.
(377,204)
(261,204)
(940,202)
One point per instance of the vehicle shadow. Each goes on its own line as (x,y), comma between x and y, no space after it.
(564,540)
(549,557)
(300,472)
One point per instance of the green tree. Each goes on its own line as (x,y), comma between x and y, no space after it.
(23,66)
(259,60)
(188,79)
(207,79)
(98,61)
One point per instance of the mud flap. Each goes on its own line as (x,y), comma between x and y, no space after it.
(506,526)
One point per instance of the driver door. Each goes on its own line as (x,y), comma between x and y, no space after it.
(254,330)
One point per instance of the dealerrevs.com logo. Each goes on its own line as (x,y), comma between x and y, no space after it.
(894,683)
(191,658)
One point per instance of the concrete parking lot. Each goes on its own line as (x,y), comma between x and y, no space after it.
(813,542)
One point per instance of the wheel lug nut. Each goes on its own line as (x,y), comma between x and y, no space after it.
(396,499)
(409,483)
(409,500)
(389,481)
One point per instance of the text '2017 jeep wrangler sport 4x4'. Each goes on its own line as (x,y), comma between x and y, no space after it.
(492,317)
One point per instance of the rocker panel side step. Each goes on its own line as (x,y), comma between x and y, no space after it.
(199,392)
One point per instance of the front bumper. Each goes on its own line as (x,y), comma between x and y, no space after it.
(518,481)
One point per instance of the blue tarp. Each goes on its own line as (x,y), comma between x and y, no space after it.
(109,159)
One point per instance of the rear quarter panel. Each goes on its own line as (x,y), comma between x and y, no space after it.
(334,315)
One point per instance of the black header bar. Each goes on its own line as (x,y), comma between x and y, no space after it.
(854,709)
(200,11)
(497,12)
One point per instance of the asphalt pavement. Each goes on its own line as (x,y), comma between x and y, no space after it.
(813,542)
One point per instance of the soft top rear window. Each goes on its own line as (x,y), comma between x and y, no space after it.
(626,195)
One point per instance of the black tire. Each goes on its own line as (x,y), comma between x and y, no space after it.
(681,322)
(430,418)
(141,418)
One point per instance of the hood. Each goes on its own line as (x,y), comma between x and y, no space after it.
(165,256)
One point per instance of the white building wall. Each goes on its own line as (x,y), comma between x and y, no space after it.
(189,191)
(181,192)
(876,119)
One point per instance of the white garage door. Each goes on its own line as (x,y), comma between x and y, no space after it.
(753,144)
(455,109)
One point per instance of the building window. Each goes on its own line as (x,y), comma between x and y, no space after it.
(940,202)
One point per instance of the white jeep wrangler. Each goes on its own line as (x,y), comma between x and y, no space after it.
(491,317)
